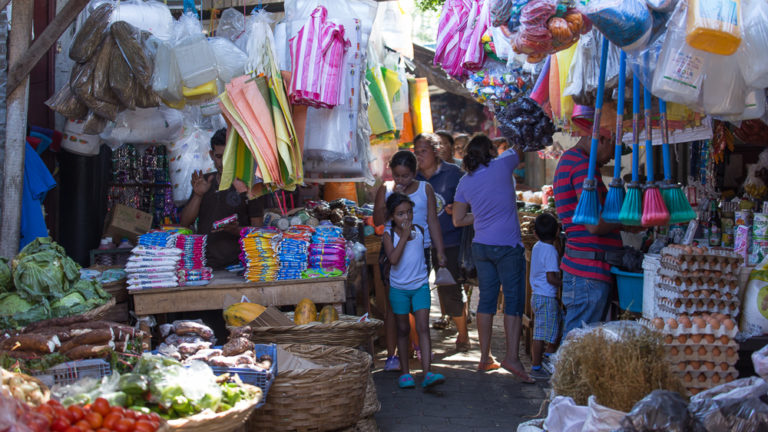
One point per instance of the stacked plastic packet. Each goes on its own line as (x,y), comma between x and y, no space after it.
(152,267)
(155,239)
(192,267)
(259,253)
(328,249)
(294,252)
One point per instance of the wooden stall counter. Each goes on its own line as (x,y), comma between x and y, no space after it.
(227,286)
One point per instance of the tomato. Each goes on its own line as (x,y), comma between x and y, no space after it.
(103,430)
(154,417)
(60,424)
(94,419)
(131,414)
(87,407)
(118,410)
(53,402)
(125,425)
(83,425)
(111,420)
(144,426)
(77,413)
(101,406)
(73,429)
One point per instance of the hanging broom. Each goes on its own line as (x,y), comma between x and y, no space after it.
(588,209)
(632,209)
(655,212)
(615,198)
(680,210)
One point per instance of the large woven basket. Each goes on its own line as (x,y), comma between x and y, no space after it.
(316,400)
(371,404)
(367,424)
(347,331)
(227,421)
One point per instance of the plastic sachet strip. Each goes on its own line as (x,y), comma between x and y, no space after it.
(155,250)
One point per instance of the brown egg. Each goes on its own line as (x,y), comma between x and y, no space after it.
(689,304)
(674,351)
(658,323)
(710,339)
(709,365)
(696,338)
(697,293)
(694,364)
(724,339)
(672,323)
(687,377)
(711,305)
(686,293)
(728,378)
(711,284)
(685,321)
(728,296)
(721,284)
(728,323)
(718,274)
(700,304)
(678,281)
(702,351)
(716,378)
(724,366)
(715,324)
(681,366)
(668,339)
(730,352)
(678,303)
(682,338)
(693,391)
(688,351)
(732,307)
(732,285)
(704,293)
(702,378)
(699,323)
(716,295)
(716,351)
(721,306)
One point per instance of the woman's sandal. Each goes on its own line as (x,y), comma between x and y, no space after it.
(522,376)
(406,381)
(490,366)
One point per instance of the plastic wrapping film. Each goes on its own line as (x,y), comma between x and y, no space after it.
(751,52)
(230,60)
(661,410)
(148,15)
(736,406)
(232,25)
(626,23)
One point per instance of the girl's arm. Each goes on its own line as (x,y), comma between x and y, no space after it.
(434,226)
(394,253)
(380,206)
(460,216)
(555,279)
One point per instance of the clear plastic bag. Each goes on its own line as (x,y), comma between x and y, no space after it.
(751,52)
(230,60)
(187,155)
(626,23)
(723,96)
(150,15)
(231,25)
(661,410)
(734,406)
(261,40)
(680,70)
(754,107)
(760,361)
(166,79)
(196,60)
(144,125)
(565,415)
(584,75)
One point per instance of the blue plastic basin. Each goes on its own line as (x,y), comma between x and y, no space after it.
(630,290)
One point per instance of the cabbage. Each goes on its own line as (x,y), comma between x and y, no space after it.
(12,304)
(6,279)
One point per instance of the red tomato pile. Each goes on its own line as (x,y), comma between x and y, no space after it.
(96,417)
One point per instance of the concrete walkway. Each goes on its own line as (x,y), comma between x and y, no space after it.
(469,400)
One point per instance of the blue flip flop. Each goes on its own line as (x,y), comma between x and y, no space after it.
(406,381)
(432,379)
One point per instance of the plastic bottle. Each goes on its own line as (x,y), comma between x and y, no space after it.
(105,259)
(125,244)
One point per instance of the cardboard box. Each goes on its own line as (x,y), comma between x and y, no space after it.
(127,222)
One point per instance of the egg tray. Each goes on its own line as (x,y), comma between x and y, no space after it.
(721,288)
(682,330)
(700,302)
(667,309)
(684,265)
(718,359)
(696,365)
(711,255)
(701,275)
(708,382)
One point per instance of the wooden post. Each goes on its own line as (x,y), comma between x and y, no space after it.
(16,130)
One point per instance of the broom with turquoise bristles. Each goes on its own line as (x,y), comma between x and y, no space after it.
(680,210)
(588,209)
(614,200)
(632,210)
(655,212)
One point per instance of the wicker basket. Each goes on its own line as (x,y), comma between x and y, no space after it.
(371,404)
(347,331)
(226,421)
(367,424)
(316,400)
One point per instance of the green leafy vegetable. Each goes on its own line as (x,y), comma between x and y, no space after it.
(6,278)
(11,304)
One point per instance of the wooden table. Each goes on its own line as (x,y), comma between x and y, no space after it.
(227,288)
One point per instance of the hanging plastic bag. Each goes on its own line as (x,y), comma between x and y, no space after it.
(260,41)
(754,107)
(144,125)
(681,69)
(501,11)
(76,141)
(232,25)
(723,96)
(187,155)
(584,74)
(230,60)
(713,26)
(661,5)
(734,406)
(196,60)
(127,38)
(89,37)
(152,16)
(751,52)
(166,78)
(626,23)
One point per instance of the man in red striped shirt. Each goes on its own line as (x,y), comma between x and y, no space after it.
(587,279)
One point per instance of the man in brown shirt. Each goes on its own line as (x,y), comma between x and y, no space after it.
(208,205)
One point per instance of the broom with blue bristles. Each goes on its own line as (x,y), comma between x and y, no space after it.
(655,212)
(632,209)
(614,200)
(680,210)
(588,209)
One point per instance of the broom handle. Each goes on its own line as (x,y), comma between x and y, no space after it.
(620,114)
(648,137)
(636,89)
(598,111)
(665,140)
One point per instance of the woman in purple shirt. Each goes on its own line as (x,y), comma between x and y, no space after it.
(489,189)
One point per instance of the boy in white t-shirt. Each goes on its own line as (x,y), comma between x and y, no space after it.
(545,280)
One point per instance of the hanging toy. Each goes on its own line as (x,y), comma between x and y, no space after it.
(588,209)
(655,212)
(614,201)
(680,210)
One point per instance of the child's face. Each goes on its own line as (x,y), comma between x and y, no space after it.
(403,176)
(403,213)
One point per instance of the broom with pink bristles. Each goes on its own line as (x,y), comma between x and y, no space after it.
(655,212)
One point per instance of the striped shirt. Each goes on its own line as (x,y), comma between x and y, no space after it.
(569,176)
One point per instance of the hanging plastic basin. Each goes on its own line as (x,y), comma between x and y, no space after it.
(630,290)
